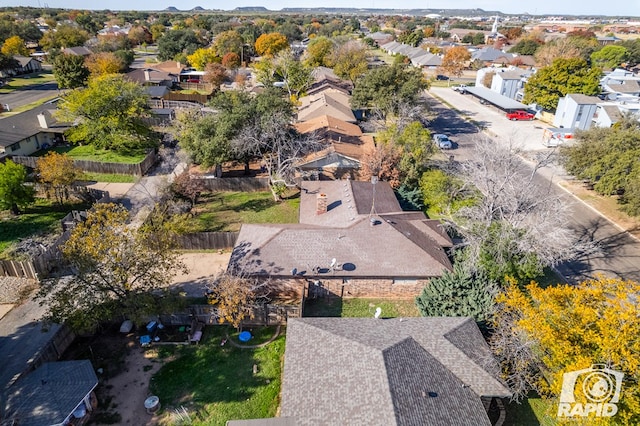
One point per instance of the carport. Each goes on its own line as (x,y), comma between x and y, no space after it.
(496,99)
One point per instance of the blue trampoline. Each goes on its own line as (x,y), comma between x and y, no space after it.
(245,336)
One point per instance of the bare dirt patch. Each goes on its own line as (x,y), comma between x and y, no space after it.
(202,268)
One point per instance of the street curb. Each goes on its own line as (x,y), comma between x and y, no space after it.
(493,135)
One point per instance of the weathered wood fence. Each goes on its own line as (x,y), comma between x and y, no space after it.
(137,169)
(266,314)
(207,240)
(40,266)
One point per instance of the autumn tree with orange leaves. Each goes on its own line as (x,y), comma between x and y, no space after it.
(454,61)
(541,333)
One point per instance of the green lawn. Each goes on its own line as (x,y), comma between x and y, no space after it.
(227,211)
(360,308)
(43,217)
(22,82)
(531,411)
(216,383)
(108,177)
(90,153)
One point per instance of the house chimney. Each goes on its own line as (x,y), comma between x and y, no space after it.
(321,203)
(42,120)
(147,75)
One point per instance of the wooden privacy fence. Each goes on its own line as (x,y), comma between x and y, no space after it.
(239,184)
(207,240)
(266,314)
(18,268)
(137,169)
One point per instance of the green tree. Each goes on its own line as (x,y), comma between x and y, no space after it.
(177,42)
(386,88)
(118,270)
(296,76)
(14,193)
(459,293)
(610,57)
(228,42)
(87,23)
(414,142)
(110,113)
(562,77)
(318,52)
(70,71)
(7,62)
(349,60)
(633,49)
(526,46)
(64,36)
(204,140)
(443,193)
(610,158)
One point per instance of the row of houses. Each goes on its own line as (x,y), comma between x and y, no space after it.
(354,240)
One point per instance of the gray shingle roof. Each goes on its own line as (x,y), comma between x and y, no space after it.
(21,126)
(51,393)
(584,99)
(365,371)
(400,245)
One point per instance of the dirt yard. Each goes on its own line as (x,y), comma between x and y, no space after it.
(202,267)
(123,394)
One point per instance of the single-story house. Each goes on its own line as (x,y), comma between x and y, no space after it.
(27,65)
(345,146)
(353,240)
(30,131)
(152,77)
(333,103)
(77,51)
(53,395)
(382,372)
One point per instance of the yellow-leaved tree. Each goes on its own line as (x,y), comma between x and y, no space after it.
(201,57)
(57,173)
(542,333)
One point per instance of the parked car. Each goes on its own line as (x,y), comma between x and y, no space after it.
(462,88)
(442,141)
(441,77)
(520,115)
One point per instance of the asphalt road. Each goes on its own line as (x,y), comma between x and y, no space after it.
(619,254)
(27,96)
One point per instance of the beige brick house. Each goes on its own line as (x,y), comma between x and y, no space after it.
(353,240)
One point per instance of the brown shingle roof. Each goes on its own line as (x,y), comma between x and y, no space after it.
(335,104)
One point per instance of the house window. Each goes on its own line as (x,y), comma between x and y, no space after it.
(14,147)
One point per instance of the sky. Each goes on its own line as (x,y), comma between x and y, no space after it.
(629,8)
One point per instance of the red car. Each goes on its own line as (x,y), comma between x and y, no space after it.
(520,115)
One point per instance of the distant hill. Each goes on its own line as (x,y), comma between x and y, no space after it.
(197,9)
(251,9)
(171,9)
(370,11)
